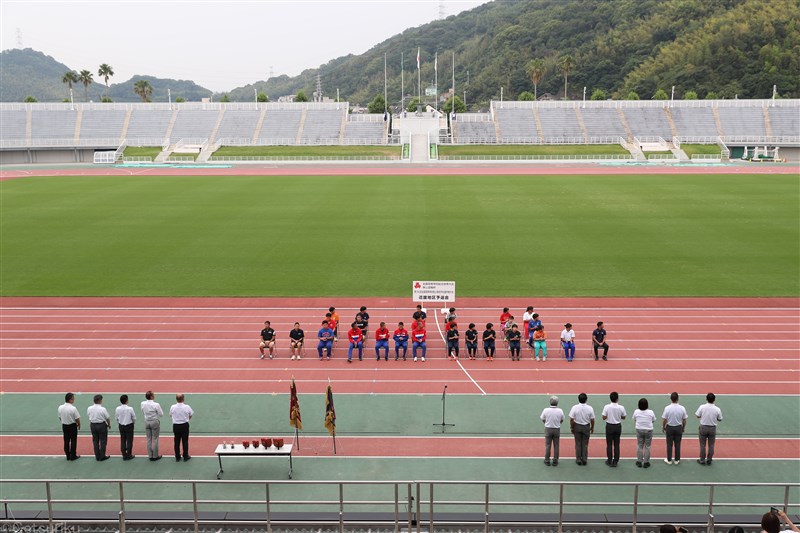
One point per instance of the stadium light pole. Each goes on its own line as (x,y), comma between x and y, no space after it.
(501,97)
(169,97)
(71,100)
(672,98)
(255,95)
(584,97)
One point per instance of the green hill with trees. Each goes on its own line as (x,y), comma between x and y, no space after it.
(614,48)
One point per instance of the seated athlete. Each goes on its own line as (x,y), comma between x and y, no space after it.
(356,339)
(450,316)
(568,342)
(503,319)
(362,325)
(599,341)
(418,337)
(325,336)
(333,323)
(335,318)
(533,323)
(452,340)
(513,336)
(382,341)
(365,318)
(419,314)
(400,341)
(296,337)
(540,342)
(489,337)
(471,341)
(449,324)
(267,340)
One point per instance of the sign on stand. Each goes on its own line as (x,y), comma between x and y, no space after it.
(433,291)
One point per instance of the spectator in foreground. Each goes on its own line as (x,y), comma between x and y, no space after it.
(771,521)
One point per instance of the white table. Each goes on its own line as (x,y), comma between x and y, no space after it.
(237,450)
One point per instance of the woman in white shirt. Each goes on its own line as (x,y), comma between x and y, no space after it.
(644,419)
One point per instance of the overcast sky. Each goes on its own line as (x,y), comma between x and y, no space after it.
(220,45)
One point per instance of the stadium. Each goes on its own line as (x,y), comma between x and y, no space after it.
(144,245)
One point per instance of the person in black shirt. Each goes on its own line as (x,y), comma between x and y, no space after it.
(419,314)
(296,337)
(471,337)
(365,319)
(513,336)
(452,340)
(267,340)
(362,325)
(599,340)
(488,341)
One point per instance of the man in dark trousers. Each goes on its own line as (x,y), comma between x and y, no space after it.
(181,413)
(70,424)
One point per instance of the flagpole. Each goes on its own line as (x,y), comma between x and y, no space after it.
(419,83)
(385,93)
(454,82)
(436,79)
(402,86)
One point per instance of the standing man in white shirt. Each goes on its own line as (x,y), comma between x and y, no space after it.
(70,424)
(709,415)
(99,422)
(152,413)
(581,423)
(125,418)
(552,417)
(181,413)
(613,414)
(673,424)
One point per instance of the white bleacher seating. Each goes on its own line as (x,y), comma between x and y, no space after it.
(742,121)
(784,121)
(516,124)
(559,122)
(238,123)
(322,125)
(694,121)
(363,132)
(102,123)
(148,123)
(281,125)
(194,123)
(466,132)
(53,124)
(648,122)
(12,124)
(603,122)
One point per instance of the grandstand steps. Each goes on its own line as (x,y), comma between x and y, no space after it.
(718,122)
(679,154)
(635,150)
(162,157)
(497,132)
(213,136)
(259,123)
(581,124)
(420,151)
(303,116)
(628,132)
(126,123)
(76,136)
(672,127)
(538,120)
(171,124)
(767,123)
(343,127)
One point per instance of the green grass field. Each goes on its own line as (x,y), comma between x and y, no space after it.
(532,149)
(240,151)
(692,149)
(656,235)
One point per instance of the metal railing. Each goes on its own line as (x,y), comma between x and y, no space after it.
(409,505)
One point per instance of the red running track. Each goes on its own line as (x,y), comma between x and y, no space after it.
(209,345)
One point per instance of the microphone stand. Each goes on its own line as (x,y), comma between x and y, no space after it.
(443,425)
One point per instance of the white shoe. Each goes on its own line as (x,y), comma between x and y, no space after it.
(537,358)
(298,357)
(292,358)
(423,359)
(262,356)
(270,356)
(676,462)
(667,461)
(415,359)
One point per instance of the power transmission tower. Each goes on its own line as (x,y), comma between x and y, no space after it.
(19,38)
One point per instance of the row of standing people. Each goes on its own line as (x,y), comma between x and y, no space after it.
(100,423)
(673,424)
